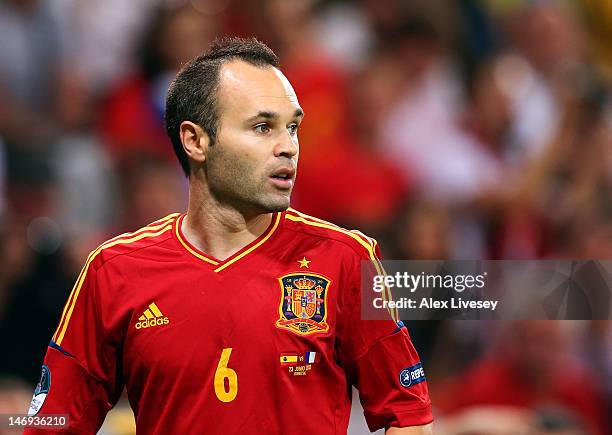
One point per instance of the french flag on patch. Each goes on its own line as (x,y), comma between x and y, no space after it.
(311,357)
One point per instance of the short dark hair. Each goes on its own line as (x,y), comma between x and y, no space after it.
(192,95)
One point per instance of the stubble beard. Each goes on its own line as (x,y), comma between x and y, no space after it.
(234,183)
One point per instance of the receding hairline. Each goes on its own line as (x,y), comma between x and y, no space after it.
(226,64)
(226,77)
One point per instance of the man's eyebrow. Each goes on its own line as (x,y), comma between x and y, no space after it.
(266,114)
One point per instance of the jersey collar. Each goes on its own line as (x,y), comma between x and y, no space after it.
(219,265)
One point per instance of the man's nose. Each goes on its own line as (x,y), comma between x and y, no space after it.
(286,145)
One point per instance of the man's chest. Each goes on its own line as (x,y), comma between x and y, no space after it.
(275,318)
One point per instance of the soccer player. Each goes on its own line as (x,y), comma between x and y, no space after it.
(241,315)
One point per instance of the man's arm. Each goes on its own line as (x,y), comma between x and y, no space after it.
(413,430)
(380,359)
(79,376)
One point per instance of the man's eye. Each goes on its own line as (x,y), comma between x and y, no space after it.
(293,128)
(262,128)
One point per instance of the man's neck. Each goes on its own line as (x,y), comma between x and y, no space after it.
(221,231)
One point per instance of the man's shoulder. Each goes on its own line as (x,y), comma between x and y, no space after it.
(311,226)
(150,235)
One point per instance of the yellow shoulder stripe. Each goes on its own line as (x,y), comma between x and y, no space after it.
(150,227)
(370,247)
(159,221)
(316,219)
(148,231)
(320,224)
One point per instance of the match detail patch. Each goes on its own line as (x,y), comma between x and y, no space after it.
(412,375)
(299,364)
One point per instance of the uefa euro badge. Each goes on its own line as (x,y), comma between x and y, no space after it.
(41,391)
(303,307)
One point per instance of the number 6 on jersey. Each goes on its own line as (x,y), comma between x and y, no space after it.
(222,373)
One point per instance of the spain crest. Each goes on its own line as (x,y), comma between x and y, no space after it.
(303,305)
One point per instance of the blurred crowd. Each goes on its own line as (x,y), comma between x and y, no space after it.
(447,129)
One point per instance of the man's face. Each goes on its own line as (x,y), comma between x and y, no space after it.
(253,163)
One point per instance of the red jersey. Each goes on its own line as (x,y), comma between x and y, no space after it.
(267,341)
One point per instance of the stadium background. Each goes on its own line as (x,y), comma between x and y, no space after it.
(447,129)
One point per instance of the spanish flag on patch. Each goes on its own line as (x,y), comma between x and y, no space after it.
(288,358)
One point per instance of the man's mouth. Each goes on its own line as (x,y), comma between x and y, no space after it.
(283,178)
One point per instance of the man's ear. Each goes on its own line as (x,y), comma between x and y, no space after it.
(195,141)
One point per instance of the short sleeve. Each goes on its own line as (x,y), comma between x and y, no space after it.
(379,357)
(79,376)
